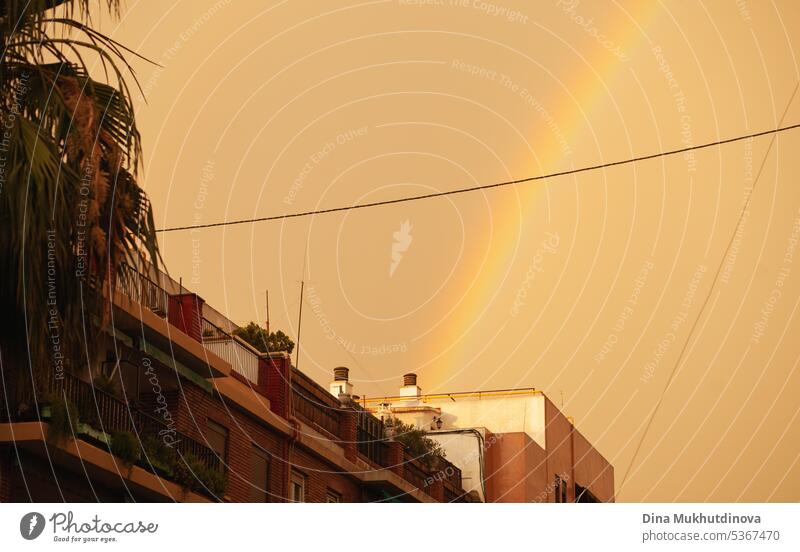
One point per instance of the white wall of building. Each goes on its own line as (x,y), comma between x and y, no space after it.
(498,414)
(465,451)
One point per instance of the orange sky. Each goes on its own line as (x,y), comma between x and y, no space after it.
(584,286)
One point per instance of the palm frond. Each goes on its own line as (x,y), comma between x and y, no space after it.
(72,212)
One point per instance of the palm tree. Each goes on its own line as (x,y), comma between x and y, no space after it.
(71,212)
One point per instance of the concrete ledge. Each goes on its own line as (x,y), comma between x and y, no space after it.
(131,315)
(105,466)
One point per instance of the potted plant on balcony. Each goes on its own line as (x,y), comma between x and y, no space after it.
(63,417)
(416,442)
(195,476)
(158,455)
(125,446)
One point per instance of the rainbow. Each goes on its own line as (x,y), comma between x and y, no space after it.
(482,274)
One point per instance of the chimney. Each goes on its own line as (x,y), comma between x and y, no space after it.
(341,373)
(341,384)
(410,388)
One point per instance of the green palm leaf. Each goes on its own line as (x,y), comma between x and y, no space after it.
(71,211)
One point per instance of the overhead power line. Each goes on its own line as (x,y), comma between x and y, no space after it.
(682,353)
(481,187)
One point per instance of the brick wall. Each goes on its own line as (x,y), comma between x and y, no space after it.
(273,379)
(321,476)
(186,313)
(396,457)
(348,433)
(194,410)
(197,407)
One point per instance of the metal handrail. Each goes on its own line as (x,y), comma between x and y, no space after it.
(106,412)
(141,289)
(230,348)
(454,396)
(370,435)
(314,412)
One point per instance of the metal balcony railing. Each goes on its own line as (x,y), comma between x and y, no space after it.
(141,289)
(239,355)
(105,412)
(314,412)
(371,437)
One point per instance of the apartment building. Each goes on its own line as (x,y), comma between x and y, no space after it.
(174,408)
(511,445)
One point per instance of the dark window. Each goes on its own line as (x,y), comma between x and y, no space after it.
(298,487)
(560,489)
(333,496)
(218,441)
(259,475)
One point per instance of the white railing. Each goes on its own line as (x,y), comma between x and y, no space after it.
(242,357)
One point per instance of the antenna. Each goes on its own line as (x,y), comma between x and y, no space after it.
(267,292)
(299,322)
(300,315)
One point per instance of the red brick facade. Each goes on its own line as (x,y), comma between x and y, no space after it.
(285,420)
(185,313)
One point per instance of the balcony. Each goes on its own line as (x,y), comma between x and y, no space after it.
(101,414)
(242,357)
(311,410)
(371,438)
(415,473)
(145,306)
(141,289)
(451,473)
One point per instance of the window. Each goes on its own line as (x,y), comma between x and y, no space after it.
(218,441)
(333,496)
(297,491)
(560,489)
(259,475)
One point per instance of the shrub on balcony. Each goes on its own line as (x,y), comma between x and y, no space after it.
(416,441)
(257,336)
(158,453)
(63,417)
(196,477)
(125,446)
(215,481)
